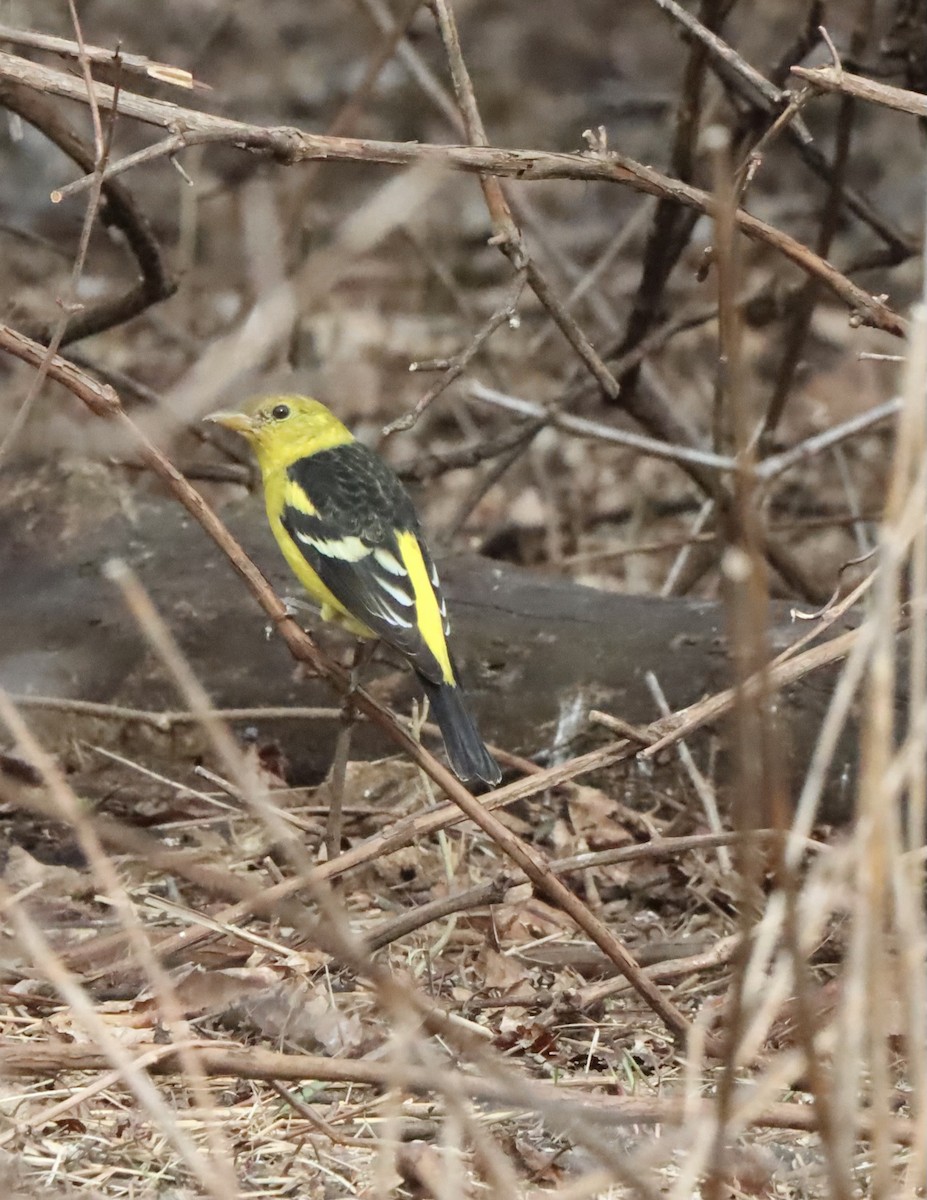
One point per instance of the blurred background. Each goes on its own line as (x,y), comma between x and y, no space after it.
(229,224)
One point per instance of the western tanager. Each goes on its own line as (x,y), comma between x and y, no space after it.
(349,533)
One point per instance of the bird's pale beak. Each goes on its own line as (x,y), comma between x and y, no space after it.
(238,421)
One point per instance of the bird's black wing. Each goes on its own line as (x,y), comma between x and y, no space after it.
(349,533)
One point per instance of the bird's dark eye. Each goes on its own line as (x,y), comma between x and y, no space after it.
(280,412)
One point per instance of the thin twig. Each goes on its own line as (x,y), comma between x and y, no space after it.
(604,433)
(835,79)
(494,891)
(774,466)
(134,63)
(703,788)
(505,314)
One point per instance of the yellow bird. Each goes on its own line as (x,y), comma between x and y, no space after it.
(350,535)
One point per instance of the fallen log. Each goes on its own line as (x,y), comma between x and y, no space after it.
(537,651)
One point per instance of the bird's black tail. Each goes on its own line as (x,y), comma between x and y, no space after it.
(466,752)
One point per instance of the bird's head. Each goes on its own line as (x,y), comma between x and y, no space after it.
(284,428)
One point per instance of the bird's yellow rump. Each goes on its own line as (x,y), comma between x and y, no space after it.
(350,535)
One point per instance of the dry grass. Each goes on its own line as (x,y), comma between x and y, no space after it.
(590,987)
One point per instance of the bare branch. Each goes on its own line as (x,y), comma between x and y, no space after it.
(290,145)
(835,79)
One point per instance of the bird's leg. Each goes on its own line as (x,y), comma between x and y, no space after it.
(294,605)
(363,652)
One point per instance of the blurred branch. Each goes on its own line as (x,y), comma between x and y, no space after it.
(506,234)
(761,92)
(772,467)
(673,440)
(120,211)
(671,227)
(430,466)
(605,433)
(806,37)
(798,325)
(413,62)
(69,302)
(352,110)
(653,412)
(768,99)
(28,1060)
(671,230)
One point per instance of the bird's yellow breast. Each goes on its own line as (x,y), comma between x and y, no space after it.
(279,492)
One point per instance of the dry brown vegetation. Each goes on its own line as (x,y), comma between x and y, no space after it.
(633,295)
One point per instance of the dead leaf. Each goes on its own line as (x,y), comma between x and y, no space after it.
(214,992)
(124,1020)
(500,971)
(22,872)
(305,1015)
(423,1170)
(594,818)
(526,922)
